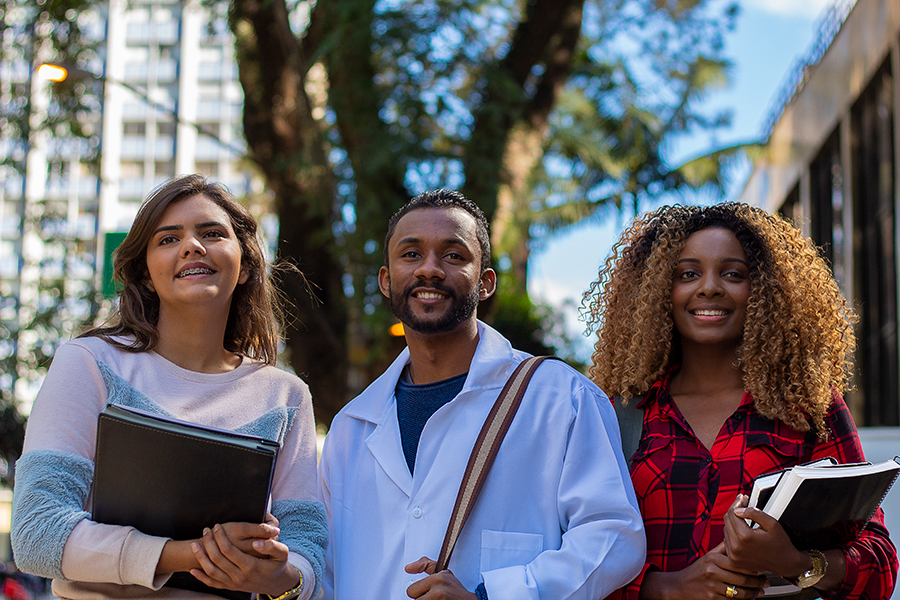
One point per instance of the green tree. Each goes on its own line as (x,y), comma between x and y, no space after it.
(541,111)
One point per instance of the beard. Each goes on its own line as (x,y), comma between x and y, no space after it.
(461,309)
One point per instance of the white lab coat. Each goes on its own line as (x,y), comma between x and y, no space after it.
(557,517)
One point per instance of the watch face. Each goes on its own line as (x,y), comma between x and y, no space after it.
(813,575)
(809,579)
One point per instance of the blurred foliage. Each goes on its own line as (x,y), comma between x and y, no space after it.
(534,327)
(544,112)
(53,293)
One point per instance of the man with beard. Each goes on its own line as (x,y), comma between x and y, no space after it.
(557,516)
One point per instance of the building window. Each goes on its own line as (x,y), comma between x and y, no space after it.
(210,169)
(165,128)
(134,128)
(164,168)
(875,259)
(211,129)
(827,201)
(132,169)
(790,210)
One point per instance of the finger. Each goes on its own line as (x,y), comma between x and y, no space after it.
(208,566)
(202,577)
(739,590)
(242,531)
(271,520)
(421,587)
(232,553)
(226,569)
(734,528)
(271,550)
(423,565)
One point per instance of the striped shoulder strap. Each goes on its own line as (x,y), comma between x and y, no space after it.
(485,450)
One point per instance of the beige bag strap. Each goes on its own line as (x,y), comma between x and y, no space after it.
(485,450)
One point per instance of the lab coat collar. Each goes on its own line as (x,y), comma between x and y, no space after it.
(493,363)
(491,366)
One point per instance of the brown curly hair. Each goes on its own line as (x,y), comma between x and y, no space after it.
(798,335)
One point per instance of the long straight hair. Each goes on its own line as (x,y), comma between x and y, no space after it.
(253,320)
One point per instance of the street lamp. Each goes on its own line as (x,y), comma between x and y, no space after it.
(58,73)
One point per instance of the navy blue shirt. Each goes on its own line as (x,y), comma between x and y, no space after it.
(416,404)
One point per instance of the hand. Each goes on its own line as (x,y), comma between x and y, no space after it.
(436,586)
(765,548)
(706,578)
(243,535)
(223,564)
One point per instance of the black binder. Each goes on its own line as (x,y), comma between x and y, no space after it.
(172,478)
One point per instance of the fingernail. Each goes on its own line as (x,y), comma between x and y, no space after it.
(216,528)
(205,530)
(195,547)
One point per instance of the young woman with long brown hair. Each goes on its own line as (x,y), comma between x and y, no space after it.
(194,336)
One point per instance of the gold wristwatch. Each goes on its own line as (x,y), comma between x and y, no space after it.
(811,576)
(294,591)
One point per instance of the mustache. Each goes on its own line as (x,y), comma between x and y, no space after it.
(435,285)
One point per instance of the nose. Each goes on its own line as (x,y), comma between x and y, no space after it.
(190,245)
(430,267)
(710,286)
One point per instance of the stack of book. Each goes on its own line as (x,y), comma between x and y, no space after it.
(816,501)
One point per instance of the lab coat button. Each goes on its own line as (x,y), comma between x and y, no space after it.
(417,512)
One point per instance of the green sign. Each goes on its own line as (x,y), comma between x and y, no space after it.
(111,241)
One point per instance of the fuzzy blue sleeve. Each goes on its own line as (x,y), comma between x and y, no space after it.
(304,530)
(51,489)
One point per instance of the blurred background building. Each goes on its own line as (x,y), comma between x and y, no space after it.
(165,101)
(833,165)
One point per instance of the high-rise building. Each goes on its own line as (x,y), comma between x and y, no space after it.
(165,101)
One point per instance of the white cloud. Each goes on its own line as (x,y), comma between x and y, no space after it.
(810,9)
(566,301)
(552,291)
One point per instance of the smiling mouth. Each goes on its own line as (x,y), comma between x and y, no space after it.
(709,313)
(429,296)
(195,271)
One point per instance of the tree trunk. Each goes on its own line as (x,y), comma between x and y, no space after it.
(287,144)
(546,36)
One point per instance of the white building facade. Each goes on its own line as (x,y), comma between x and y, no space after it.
(833,165)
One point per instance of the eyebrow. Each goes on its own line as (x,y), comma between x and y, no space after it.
(728,259)
(203,225)
(415,240)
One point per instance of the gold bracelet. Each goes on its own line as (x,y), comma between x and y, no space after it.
(294,591)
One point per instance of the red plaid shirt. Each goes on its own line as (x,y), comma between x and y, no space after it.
(684,490)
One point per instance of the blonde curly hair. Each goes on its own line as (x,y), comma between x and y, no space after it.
(798,335)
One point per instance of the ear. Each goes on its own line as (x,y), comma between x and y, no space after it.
(384,282)
(488,284)
(244,275)
(148,282)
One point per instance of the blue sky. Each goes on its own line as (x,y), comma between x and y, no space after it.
(769,37)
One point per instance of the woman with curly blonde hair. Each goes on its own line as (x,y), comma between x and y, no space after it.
(727,331)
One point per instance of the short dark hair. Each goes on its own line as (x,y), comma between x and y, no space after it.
(252,328)
(443,198)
